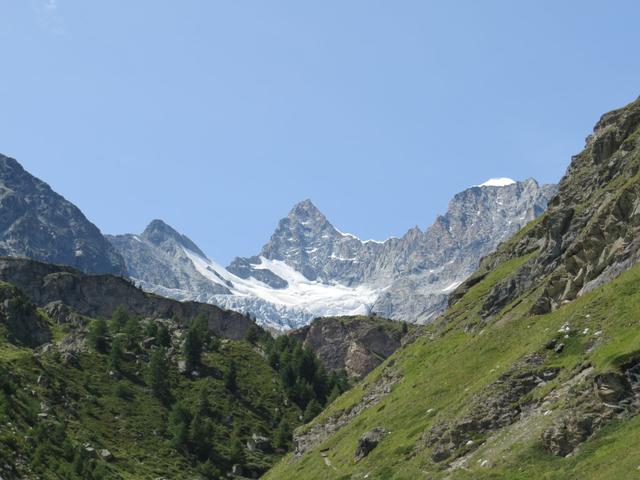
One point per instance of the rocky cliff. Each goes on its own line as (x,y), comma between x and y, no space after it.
(354,344)
(98,296)
(36,222)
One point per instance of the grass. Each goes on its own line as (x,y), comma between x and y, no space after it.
(442,375)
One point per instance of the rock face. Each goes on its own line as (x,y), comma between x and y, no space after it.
(355,344)
(21,319)
(156,260)
(98,296)
(591,232)
(309,268)
(36,222)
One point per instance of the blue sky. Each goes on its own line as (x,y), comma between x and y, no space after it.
(218,116)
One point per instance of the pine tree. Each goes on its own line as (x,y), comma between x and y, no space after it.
(179,421)
(236,448)
(283,434)
(98,335)
(158,375)
(115,355)
(192,349)
(312,411)
(230,377)
(151,329)
(164,338)
(132,331)
(119,319)
(201,326)
(335,393)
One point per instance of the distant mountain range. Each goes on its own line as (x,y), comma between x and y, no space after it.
(310,269)
(307,269)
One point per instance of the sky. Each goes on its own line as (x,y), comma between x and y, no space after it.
(218,116)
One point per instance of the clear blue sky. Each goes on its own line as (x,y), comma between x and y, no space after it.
(217,116)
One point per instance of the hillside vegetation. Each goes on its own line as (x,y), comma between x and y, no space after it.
(136,398)
(533,371)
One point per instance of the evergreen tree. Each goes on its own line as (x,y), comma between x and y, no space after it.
(158,375)
(335,393)
(119,319)
(201,436)
(98,335)
(132,331)
(230,377)
(163,338)
(192,349)
(283,434)
(236,452)
(253,334)
(151,329)
(115,355)
(312,411)
(201,327)
(405,328)
(179,421)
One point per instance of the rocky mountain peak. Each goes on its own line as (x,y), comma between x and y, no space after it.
(158,232)
(36,222)
(306,210)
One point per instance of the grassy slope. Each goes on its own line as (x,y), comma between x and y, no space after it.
(133,428)
(441,376)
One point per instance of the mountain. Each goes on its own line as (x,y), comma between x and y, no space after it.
(310,269)
(36,222)
(158,261)
(533,371)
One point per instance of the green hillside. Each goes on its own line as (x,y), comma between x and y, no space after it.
(534,370)
(134,398)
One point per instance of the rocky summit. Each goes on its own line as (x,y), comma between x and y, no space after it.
(38,223)
(309,268)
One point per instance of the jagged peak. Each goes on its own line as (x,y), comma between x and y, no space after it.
(305,208)
(158,231)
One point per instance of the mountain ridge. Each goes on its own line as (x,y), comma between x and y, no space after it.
(309,268)
(37,222)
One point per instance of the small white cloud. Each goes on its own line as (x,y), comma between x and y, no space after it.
(48,12)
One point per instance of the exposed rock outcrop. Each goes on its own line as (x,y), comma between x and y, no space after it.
(99,295)
(355,344)
(591,232)
(368,442)
(24,324)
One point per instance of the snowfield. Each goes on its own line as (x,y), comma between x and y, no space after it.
(302,300)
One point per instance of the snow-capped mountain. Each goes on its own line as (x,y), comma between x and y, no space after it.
(309,268)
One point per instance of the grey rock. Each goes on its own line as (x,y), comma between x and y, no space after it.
(369,441)
(355,344)
(38,223)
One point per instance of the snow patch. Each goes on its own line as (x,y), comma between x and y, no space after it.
(497,182)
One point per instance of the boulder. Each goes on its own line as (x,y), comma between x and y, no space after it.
(368,442)
(612,387)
